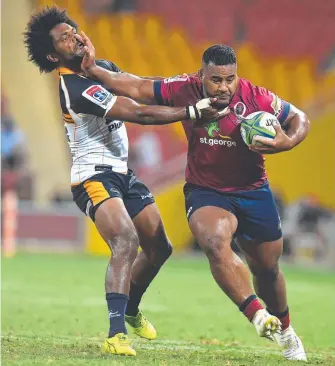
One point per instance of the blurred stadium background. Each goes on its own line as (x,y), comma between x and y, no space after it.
(287,46)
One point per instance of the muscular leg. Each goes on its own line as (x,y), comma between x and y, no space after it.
(154,243)
(213,227)
(117,229)
(156,249)
(269,282)
(270,286)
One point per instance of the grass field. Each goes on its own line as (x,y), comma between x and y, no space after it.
(54,312)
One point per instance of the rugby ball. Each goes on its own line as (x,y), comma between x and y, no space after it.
(258,124)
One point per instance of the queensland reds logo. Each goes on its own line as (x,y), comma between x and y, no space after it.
(240,109)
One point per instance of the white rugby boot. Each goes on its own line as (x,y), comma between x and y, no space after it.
(291,345)
(266,325)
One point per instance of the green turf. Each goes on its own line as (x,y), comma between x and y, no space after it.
(54,312)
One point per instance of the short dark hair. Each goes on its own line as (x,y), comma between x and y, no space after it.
(219,54)
(37,38)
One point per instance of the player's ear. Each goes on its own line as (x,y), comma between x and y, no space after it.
(200,73)
(52,58)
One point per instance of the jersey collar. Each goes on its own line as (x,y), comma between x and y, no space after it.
(65,71)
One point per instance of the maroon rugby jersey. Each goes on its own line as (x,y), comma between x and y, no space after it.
(217,156)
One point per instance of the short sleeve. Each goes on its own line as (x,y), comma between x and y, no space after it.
(95,100)
(165,90)
(86,96)
(270,102)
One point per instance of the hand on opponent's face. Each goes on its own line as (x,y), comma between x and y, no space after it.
(88,61)
(206,107)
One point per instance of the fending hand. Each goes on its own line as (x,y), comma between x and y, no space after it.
(88,61)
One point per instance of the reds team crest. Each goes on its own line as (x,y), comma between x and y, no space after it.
(240,109)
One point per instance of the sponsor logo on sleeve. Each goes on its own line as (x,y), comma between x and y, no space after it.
(98,95)
(175,78)
(276,105)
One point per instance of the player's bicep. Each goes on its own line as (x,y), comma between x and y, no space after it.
(133,87)
(146,90)
(292,112)
(141,89)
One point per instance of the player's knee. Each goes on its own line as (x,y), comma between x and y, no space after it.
(160,249)
(124,245)
(162,253)
(217,246)
(167,250)
(270,272)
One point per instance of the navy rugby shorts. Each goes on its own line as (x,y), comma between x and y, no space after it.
(91,193)
(255,210)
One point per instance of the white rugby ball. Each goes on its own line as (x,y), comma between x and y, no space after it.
(258,124)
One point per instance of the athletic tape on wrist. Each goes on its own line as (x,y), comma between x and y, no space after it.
(191,110)
(188,112)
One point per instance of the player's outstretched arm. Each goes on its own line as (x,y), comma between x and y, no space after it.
(292,132)
(128,85)
(124,84)
(128,110)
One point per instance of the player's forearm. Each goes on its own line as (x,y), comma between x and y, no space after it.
(297,128)
(122,84)
(158,115)
(126,109)
(152,77)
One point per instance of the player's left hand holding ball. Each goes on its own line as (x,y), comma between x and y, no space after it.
(280,143)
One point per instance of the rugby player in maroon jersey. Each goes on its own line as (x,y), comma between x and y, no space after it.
(227,194)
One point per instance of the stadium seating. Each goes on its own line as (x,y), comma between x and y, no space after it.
(290,28)
(278,43)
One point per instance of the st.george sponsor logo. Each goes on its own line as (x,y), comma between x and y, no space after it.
(216,138)
(212,142)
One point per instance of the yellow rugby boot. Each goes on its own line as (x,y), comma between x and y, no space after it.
(141,326)
(118,345)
